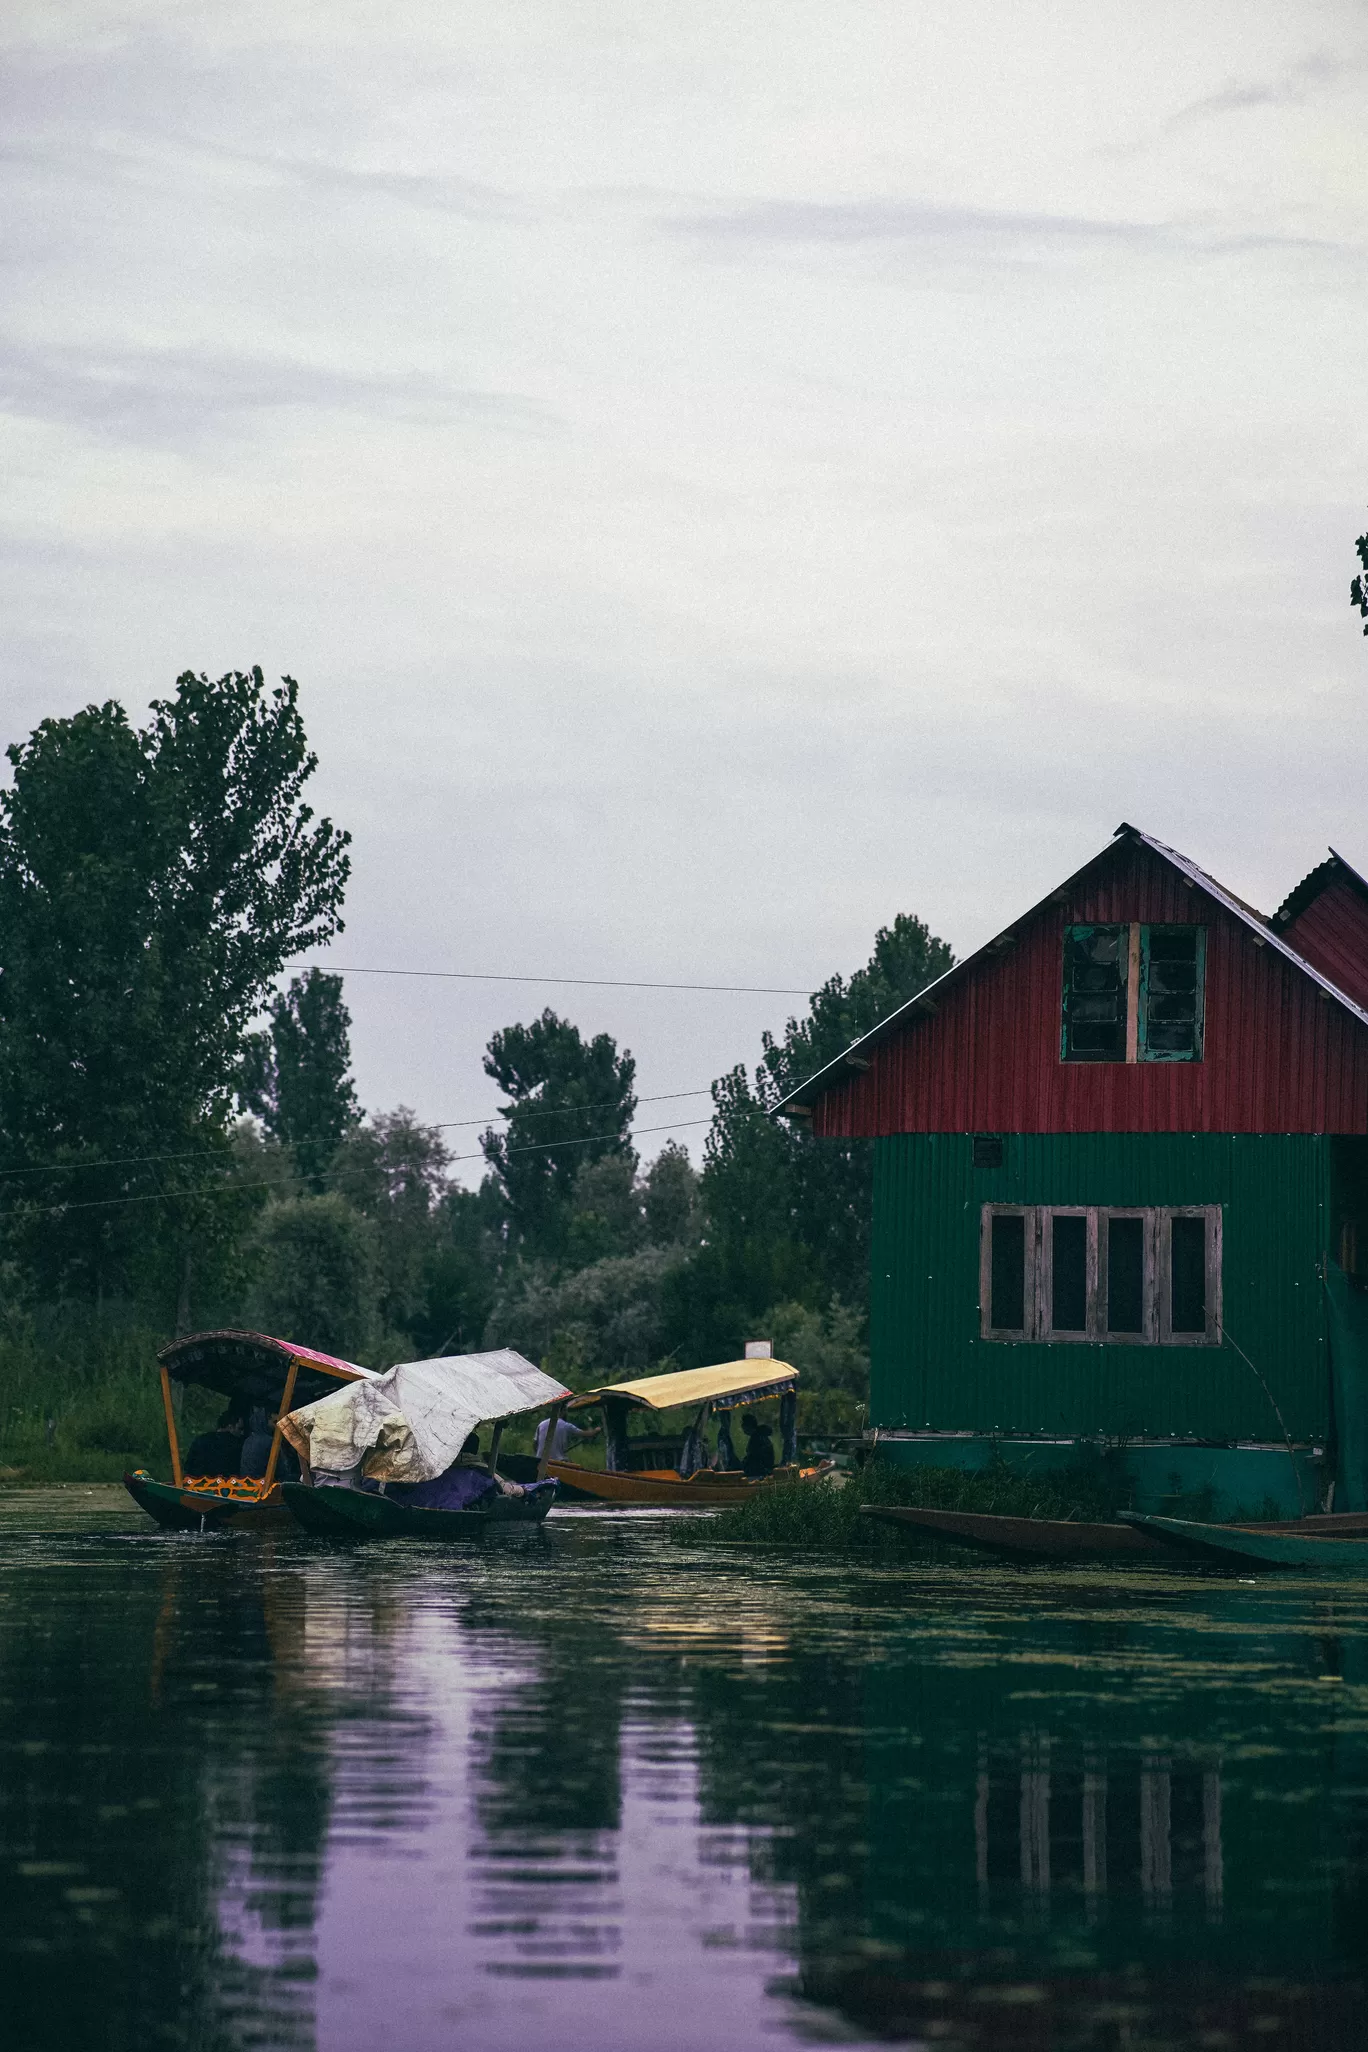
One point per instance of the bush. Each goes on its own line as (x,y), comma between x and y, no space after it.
(826,1515)
(80,1398)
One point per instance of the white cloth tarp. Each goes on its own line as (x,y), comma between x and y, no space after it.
(409,1424)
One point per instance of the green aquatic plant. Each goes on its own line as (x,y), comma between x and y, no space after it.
(826,1515)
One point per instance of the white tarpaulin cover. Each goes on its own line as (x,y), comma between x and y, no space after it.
(409,1424)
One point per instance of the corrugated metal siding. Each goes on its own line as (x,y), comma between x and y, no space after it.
(1332,933)
(1279,1057)
(931,1369)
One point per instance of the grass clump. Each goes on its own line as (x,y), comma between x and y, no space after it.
(80,1399)
(825,1516)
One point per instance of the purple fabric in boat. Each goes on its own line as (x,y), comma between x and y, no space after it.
(458,1489)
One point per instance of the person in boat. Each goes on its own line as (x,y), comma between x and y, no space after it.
(256,1450)
(758,1459)
(218,1452)
(566,1436)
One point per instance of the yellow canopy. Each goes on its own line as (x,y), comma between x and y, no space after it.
(728,1385)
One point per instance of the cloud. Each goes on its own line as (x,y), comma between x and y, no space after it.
(980,231)
(1297,85)
(166,395)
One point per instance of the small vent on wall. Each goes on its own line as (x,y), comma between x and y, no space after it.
(987,1150)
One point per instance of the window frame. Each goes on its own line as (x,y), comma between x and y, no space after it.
(1030,1238)
(1136,952)
(1157,1284)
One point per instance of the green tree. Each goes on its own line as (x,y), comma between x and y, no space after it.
(393,1170)
(788,1216)
(570,1101)
(315,1275)
(153,882)
(297,1076)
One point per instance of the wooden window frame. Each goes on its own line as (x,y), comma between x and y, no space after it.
(1157,1282)
(1045,1325)
(1137,959)
(1031,1239)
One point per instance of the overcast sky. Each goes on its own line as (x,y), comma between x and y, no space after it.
(721,475)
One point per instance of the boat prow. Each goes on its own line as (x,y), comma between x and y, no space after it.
(211,1506)
(1318,1553)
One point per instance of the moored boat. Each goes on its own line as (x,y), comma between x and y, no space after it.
(259,1376)
(1026,1538)
(1080,1539)
(1326,1553)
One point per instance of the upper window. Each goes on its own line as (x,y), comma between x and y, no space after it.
(1133,993)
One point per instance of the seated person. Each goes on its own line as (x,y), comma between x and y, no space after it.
(218,1452)
(758,1458)
(256,1450)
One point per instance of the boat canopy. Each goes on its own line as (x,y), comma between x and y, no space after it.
(409,1424)
(254,1367)
(726,1387)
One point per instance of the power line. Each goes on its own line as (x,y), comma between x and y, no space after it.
(225,1188)
(581,982)
(551,1111)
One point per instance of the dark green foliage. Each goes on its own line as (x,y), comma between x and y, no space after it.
(152,884)
(788,1215)
(1358,590)
(297,1079)
(315,1275)
(826,1515)
(570,1101)
(392,1170)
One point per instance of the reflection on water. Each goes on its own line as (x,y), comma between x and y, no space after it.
(595,1785)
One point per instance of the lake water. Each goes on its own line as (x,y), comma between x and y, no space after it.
(594,1787)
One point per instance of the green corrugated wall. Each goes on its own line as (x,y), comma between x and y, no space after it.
(929,1367)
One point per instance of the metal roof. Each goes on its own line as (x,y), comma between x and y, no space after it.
(1313,883)
(925,1002)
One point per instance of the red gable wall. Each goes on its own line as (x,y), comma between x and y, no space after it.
(1332,933)
(1279,1057)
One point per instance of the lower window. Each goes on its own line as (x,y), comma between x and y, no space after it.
(1143,1276)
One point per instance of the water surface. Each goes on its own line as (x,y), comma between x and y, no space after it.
(599,1788)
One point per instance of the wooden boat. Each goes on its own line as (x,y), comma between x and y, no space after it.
(693,1485)
(1026,1538)
(1067,1539)
(666,1488)
(358,1514)
(1323,1553)
(406,1431)
(251,1369)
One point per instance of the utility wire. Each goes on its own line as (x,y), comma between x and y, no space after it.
(581,982)
(227,1188)
(550,1111)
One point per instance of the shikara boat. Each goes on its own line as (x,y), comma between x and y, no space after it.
(253,1371)
(692,1483)
(360,1514)
(1069,1539)
(1241,1546)
(386,1459)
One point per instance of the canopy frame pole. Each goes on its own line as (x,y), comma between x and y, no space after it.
(173,1440)
(285,1401)
(494,1448)
(553,1418)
